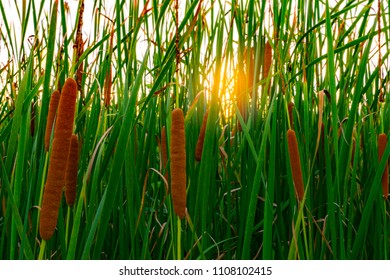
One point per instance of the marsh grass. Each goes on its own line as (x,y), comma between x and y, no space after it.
(140,60)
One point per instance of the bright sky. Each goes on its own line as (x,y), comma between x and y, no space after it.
(13,13)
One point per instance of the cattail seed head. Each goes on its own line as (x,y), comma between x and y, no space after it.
(295,163)
(71,171)
(108,77)
(59,155)
(199,144)
(178,163)
(54,100)
(267,59)
(382,142)
(79,46)
(107,87)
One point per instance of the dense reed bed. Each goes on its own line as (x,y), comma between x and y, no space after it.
(208,130)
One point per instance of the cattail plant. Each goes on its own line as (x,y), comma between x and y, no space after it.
(240,90)
(107,87)
(59,156)
(54,100)
(225,198)
(108,77)
(79,46)
(267,60)
(295,163)
(71,171)
(382,142)
(178,163)
(199,144)
(250,67)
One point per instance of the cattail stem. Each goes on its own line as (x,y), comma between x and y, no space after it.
(32,120)
(71,171)
(290,114)
(178,163)
(54,100)
(353,151)
(164,154)
(199,144)
(295,163)
(59,155)
(382,142)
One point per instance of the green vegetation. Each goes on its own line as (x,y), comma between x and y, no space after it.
(142,60)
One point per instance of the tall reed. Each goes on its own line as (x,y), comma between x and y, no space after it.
(267,60)
(382,142)
(163,151)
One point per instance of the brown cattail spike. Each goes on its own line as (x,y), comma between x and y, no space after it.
(382,142)
(79,46)
(178,163)
(108,77)
(199,144)
(267,61)
(107,87)
(59,155)
(54,100)
(295,163)
(71,171)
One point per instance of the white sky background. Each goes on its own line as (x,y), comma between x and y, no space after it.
(15,25)
(12,13)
